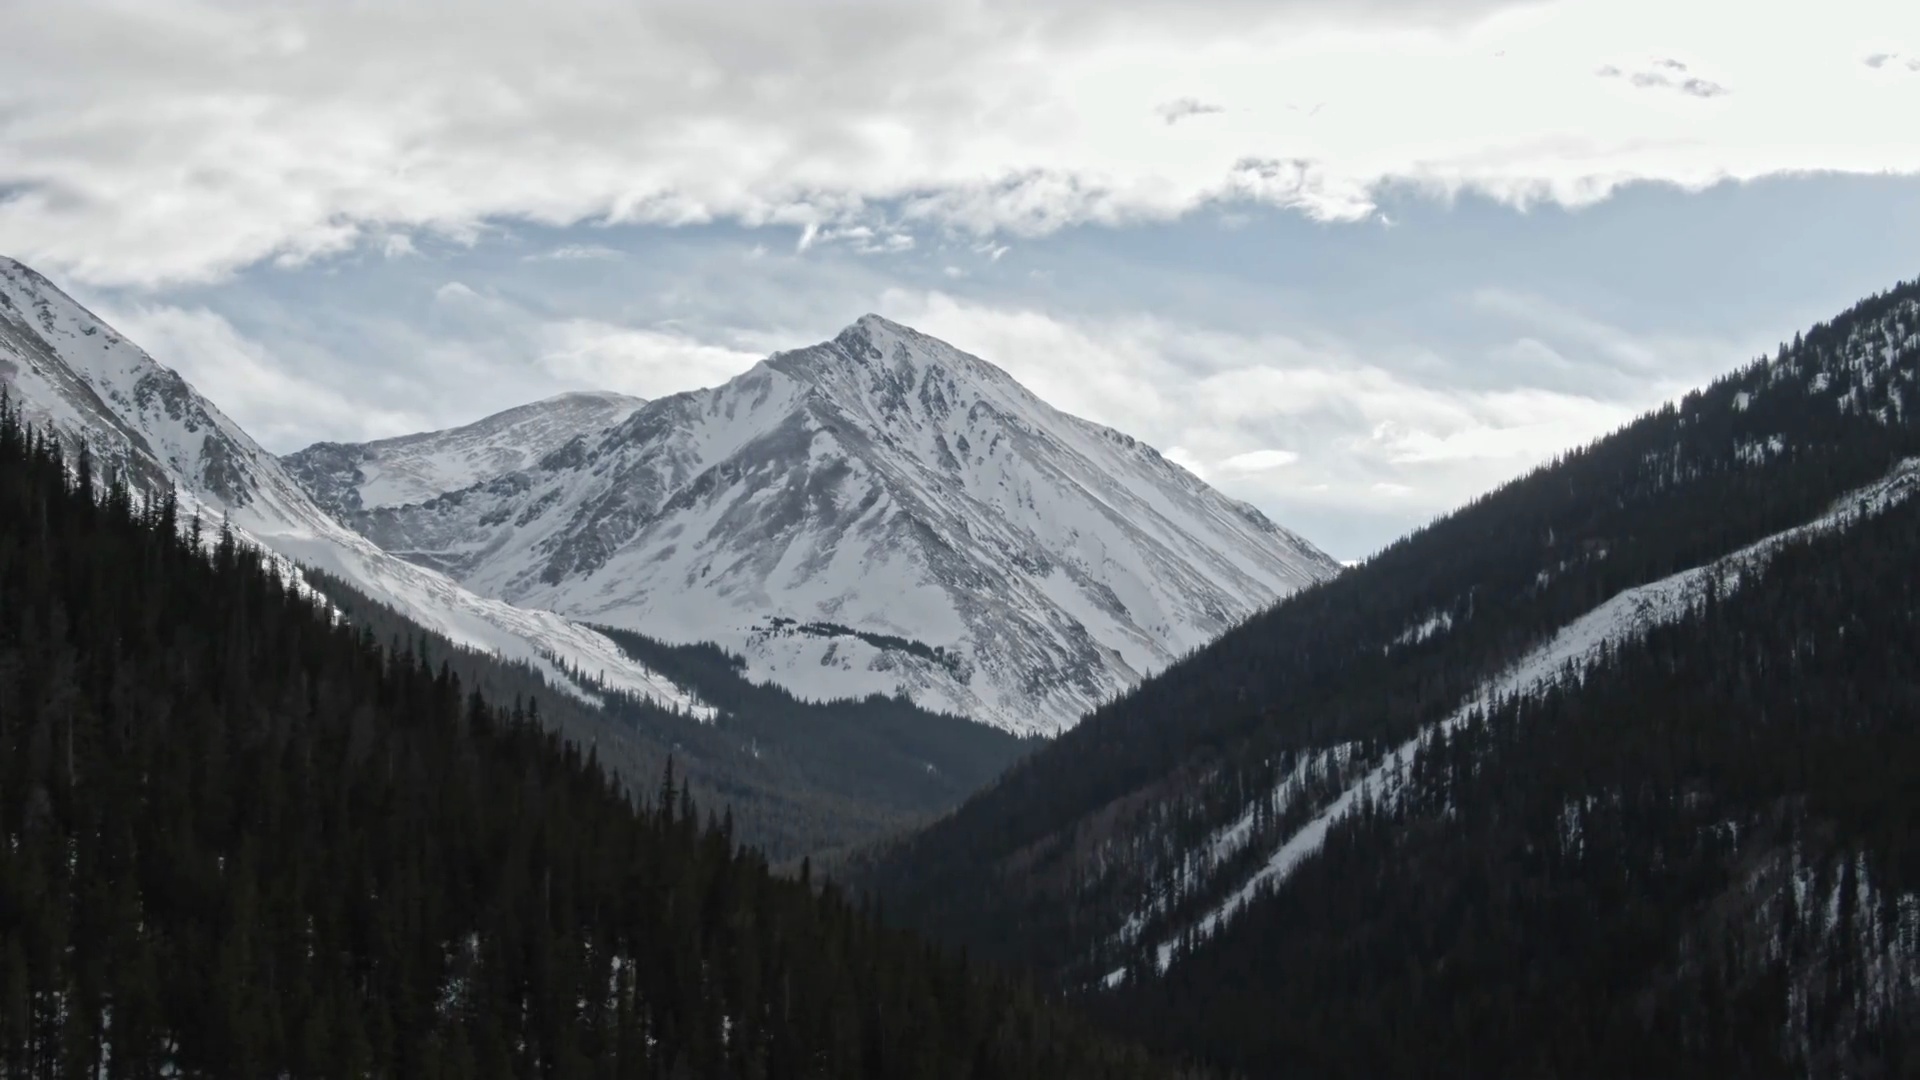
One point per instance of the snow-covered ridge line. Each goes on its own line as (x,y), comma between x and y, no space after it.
(69,371)
(1626,616)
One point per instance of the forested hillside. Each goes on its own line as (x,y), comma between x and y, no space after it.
(799,776)
(241,837)
(1168,813)
(1701,856)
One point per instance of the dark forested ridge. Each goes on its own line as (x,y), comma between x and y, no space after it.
(1093,849)
(239,837)
(1701,856)
(800,777)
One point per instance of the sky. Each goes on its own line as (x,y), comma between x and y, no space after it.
(1355,262)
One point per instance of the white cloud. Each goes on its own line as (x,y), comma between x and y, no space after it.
(646,363)
(1183,108)
(1667,74)
(1259,460)
(1892,61)
(257,390)
(1184,458)
(455,292)
(175,140)
(574,252)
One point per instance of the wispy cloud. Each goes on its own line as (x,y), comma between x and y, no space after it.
(575,252)
(264,393)
(1892,61)
(645,362)
(1183,108)
(1667,74)
(1259,460)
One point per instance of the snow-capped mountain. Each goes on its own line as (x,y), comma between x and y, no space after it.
(345,477)
(878,513)
(64,366)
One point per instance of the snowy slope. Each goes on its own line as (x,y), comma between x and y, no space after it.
(878,513)
(345,477)
(65,367)
(1576,646)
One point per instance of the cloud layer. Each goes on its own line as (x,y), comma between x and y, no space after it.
(173,141)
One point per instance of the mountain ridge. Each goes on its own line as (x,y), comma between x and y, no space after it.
(416,467)
(66,367)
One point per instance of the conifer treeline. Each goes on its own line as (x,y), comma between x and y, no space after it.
(239,838)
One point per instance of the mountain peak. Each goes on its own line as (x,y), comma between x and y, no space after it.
(875,342)
(869,336)
(611,397)
(880,512)
(881,321)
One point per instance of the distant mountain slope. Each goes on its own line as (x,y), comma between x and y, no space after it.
(879,513)
(1257,764)
(66,367)
(346,477)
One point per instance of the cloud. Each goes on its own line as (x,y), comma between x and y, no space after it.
(1184,458)
(261,392)
(1882,60)
(575,253)
(1667,75)
(1182,108)
(643,362)
(178,140)
(1259,460)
